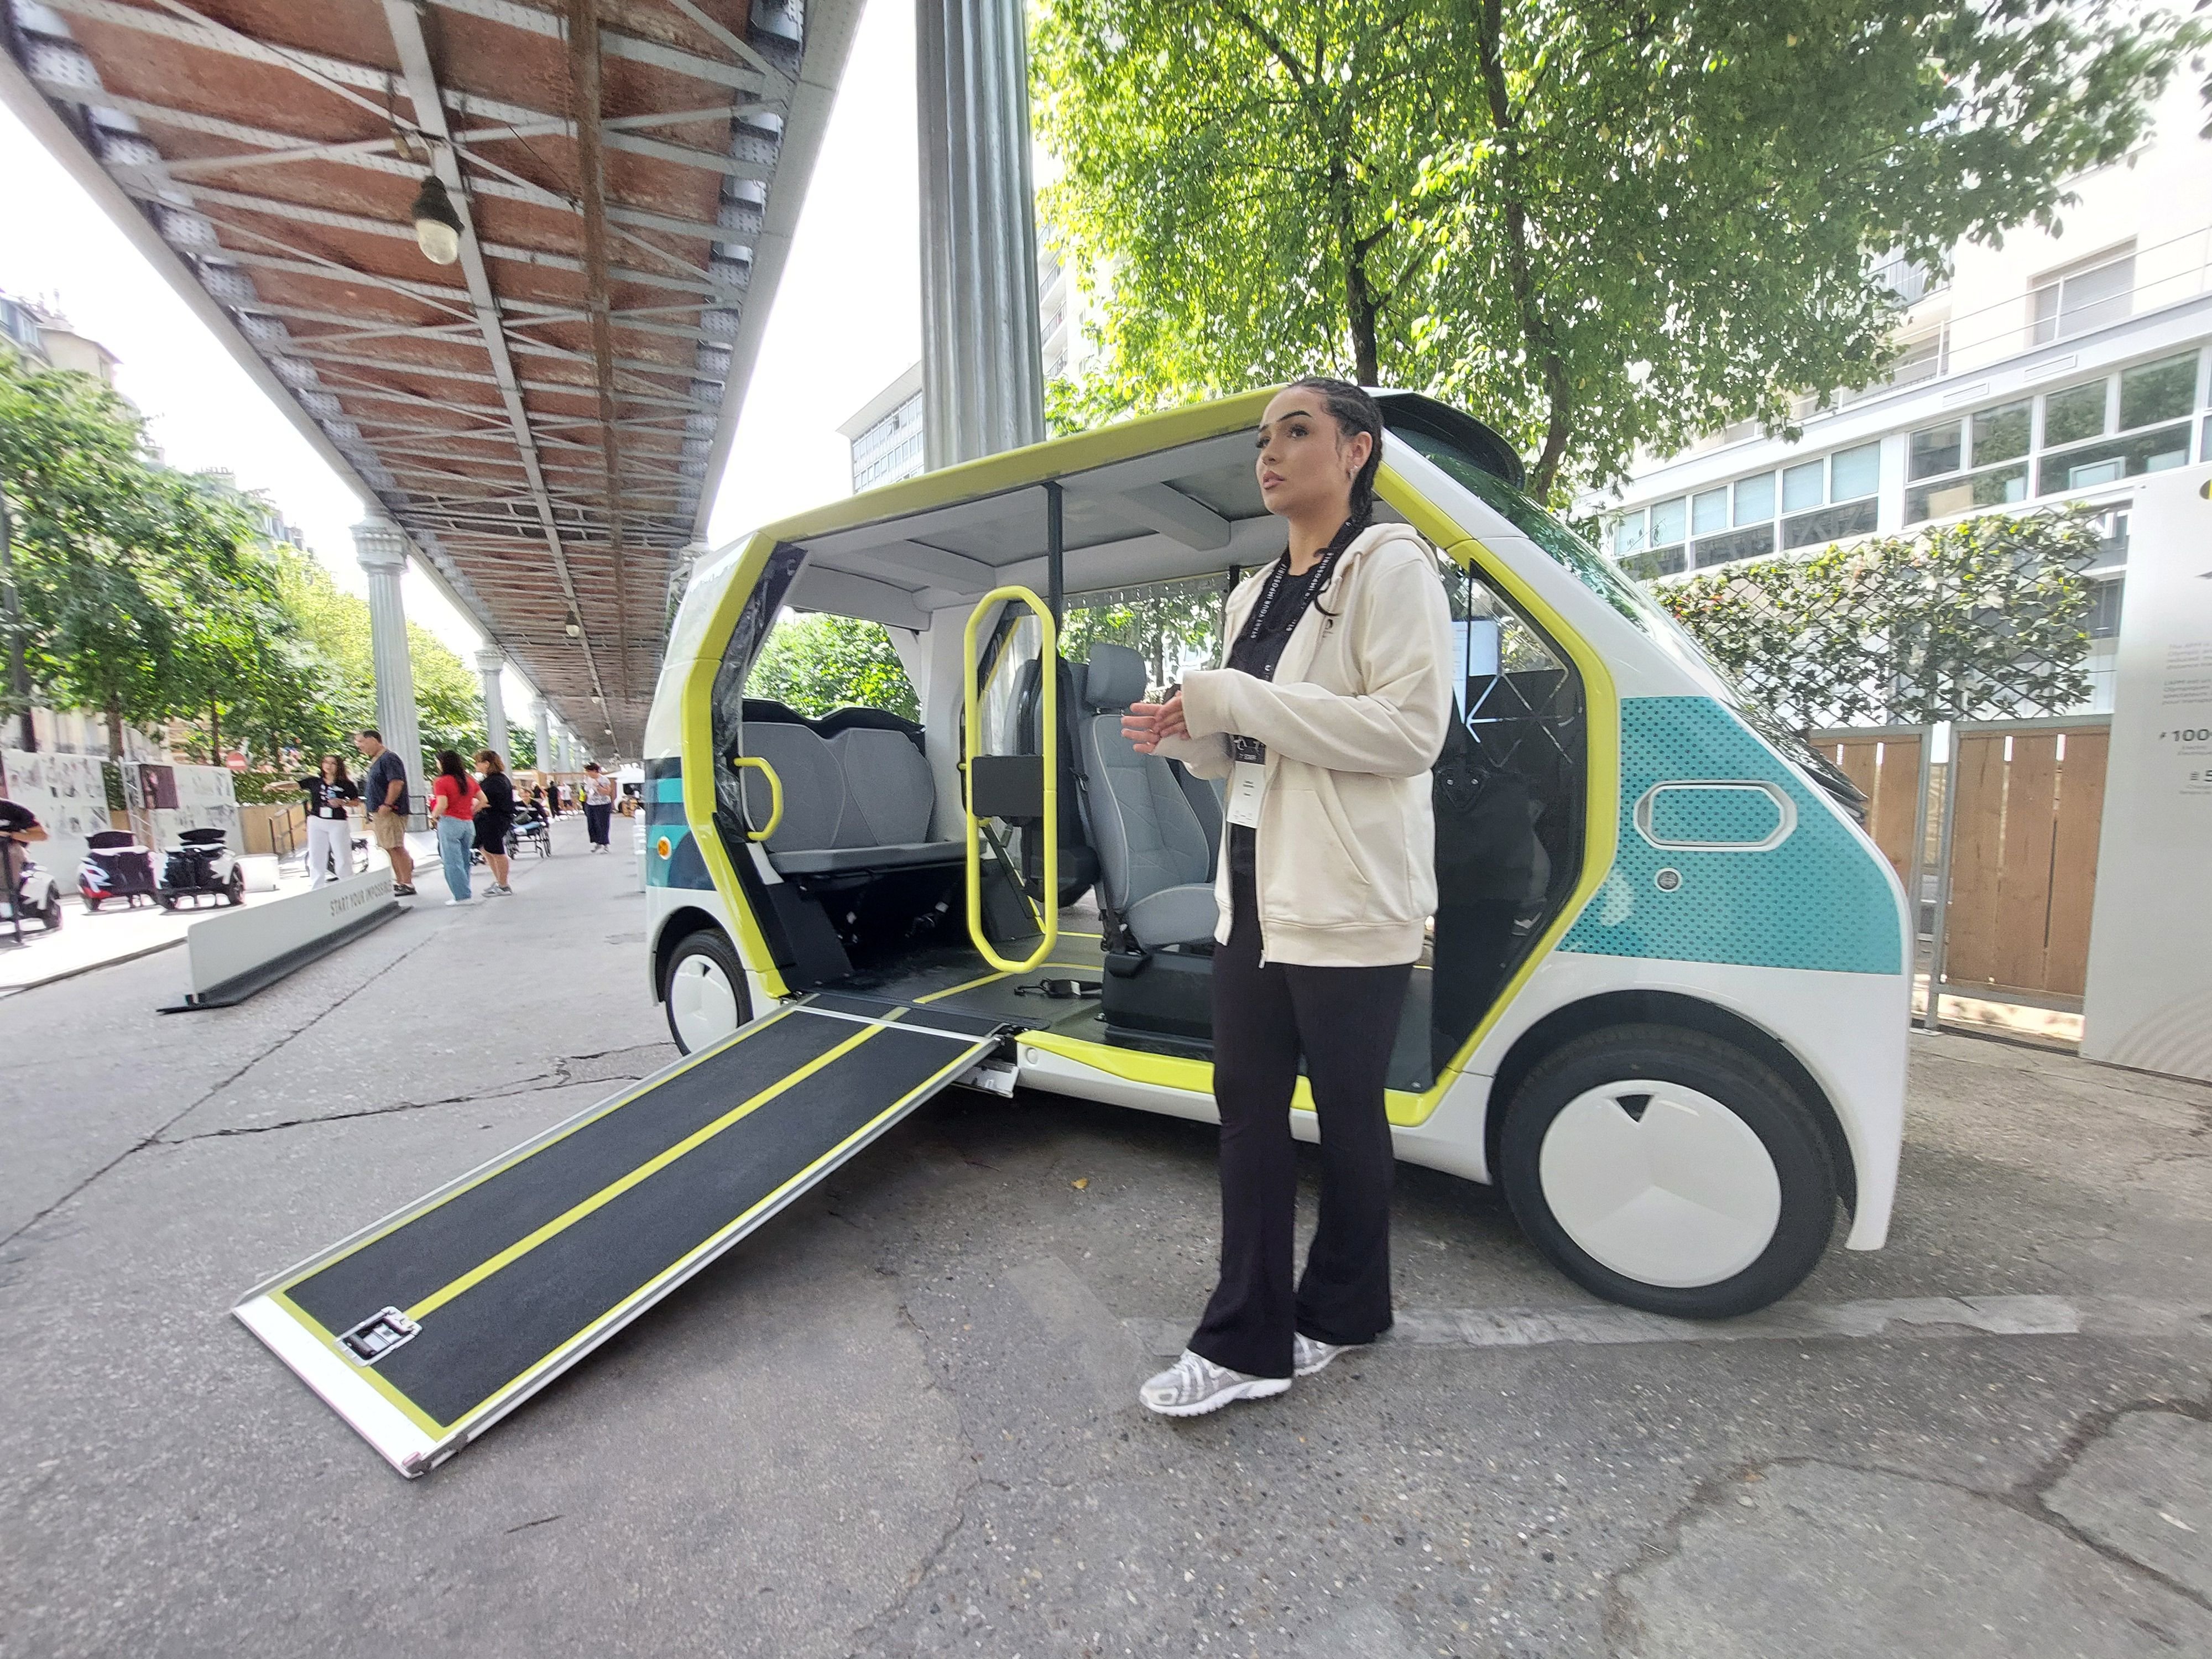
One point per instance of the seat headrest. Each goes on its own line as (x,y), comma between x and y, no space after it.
(1115,678)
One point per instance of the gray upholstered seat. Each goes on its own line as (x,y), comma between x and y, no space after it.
(857,802)
(1155,854)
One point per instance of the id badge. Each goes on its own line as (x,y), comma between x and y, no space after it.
(1241,800)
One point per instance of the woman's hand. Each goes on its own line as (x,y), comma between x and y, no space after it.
(1147,725)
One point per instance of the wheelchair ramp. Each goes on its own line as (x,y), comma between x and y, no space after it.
(426,1329)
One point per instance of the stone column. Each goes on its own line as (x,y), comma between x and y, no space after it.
(545,715)
(982,371)
(489,664)
(381,547)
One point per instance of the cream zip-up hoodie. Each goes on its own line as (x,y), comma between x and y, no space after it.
(1353,720)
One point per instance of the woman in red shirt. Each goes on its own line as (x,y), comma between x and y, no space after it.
(454,798)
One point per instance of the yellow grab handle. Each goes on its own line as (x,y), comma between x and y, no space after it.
(738,763)
(971,746)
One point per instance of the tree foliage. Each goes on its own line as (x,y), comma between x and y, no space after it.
(1984,619)
(152,596)
(815,662)
(1600,226)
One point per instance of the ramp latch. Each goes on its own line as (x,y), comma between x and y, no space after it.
(378,1335)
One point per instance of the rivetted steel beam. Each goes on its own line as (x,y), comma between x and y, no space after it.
(584,47)
(422,82)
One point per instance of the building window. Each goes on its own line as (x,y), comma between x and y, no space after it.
(2082,297)
(1830,499)
(2115,426)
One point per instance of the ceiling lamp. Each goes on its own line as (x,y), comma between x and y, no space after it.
(437,227)
(573,627)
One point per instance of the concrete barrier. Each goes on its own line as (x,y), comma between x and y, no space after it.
(236,953)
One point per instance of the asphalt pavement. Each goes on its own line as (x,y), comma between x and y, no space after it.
(903,1419)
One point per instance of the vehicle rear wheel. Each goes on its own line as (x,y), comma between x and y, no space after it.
(233,891)
(1668,1170)
(50,915)
(704,989)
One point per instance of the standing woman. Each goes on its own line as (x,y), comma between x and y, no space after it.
(330,831)
(495,819)
(1325,720)
(454,798)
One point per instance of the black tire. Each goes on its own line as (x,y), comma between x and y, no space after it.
(91,904)
(167,901)
(51,915)
(698,950)
(233,891)
(1760,1100)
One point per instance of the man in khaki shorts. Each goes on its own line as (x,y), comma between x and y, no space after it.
(384,797)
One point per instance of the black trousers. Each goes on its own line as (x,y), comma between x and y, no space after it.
(597,821)
(1343,1021)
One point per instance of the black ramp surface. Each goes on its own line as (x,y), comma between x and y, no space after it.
(431,1250)
(474,1345)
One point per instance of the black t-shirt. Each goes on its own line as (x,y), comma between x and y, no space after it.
(499,793)
(327,800)
(383,771)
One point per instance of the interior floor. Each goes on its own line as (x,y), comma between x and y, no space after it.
(956,977)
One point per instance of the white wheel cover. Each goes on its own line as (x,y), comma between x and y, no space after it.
(1684,1194)
(702,1005)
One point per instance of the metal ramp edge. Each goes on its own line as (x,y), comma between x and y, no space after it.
(424,1330)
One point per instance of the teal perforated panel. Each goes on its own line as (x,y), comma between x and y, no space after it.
(1743,817)
(1821,899)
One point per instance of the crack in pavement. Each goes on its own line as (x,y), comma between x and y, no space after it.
(1624,1632)
(212,1090)
(878,1629)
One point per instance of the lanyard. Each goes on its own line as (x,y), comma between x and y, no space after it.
(1269,658)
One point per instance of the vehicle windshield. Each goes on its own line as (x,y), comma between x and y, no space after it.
(1603,578)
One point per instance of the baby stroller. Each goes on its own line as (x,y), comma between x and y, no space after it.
(531,832)
(201,866)
(115,867)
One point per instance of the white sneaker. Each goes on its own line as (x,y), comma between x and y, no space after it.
(1195,1385)
(1308,1356)
(453,904)
(499,890)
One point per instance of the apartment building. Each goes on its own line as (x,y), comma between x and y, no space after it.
(2055,370)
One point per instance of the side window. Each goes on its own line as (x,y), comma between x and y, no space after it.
(1509,818)
(1174,626)
(817,663)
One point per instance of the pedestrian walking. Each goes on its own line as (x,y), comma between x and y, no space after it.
(553,797)
(495,818)
(598,805)
(454,798)
(384,794)
(1325,720)
(330,828)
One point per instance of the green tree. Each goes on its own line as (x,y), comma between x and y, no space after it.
(1984,619)
(816,662)
(1601,227)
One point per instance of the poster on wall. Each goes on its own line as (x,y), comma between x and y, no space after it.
(193,798)
(2148,1003)
(68,794)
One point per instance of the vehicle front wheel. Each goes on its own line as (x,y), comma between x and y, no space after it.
(704,989)
(1668,1170)
(50,916)
(91,904)
(233,891)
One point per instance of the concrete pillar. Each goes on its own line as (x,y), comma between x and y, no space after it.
(490,664)
(545,715)
(982,371)
(382,549)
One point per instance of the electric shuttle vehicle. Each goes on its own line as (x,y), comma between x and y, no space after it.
(1663,1001)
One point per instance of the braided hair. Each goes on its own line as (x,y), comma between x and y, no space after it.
(1353,411)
